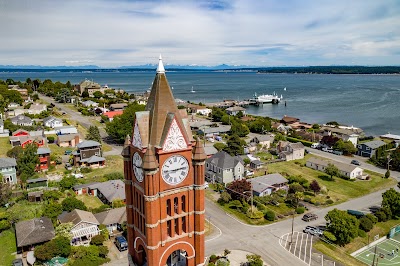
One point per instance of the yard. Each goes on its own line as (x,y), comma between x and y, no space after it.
(114,163)
(7,240)
(90,201)
(5,146)
(339,190)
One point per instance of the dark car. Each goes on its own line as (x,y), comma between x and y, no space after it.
(121,243)
(355,162)
(17,262)
(309,217)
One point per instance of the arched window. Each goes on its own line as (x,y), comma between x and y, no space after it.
(176,226)
(176,205)
(183,203)
(184,224)
(169,228)
(168,207)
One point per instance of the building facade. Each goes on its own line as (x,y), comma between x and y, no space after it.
(164,176)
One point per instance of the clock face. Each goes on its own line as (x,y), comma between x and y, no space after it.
(175,169)
(137,166)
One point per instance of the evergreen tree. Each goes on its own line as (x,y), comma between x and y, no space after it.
(93,134)
(235,145)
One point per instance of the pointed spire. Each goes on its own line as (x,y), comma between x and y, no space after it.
(160,68)
(198,153)
(149,160)
(126,150)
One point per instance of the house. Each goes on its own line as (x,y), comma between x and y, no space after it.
(281,128)
(52,122)
(260,139)
(287,120)
(112,218)
(329,141)
(234,110)
(35,196)
(224,168)
(22,138)
(33,232)
(8,170)
(202,110)
(196,124)
(341,133)
(111,114)
(37,108)
(89,103)
(3,132)
(12,106)
(66,130)
(85,226)
(389,136)
(88,154)
(108,191)
(83,189)
(349,170)
(290,151)
(309,136)
(118,106)
(37,183)
(368,149)
(267,184)
(210,151)
(87,85)
(300,125)
(21,120)
(256,164)
(211,131)
(70,140)
(44,159)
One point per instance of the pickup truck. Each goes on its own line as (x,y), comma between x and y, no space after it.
(309,217)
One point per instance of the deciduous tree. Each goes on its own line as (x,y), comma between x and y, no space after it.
(391,201)
(342,225)
(315,186)
(238,188)
(71,203)
(332,170)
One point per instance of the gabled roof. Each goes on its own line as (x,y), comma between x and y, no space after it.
(50,119)
(224,161)
(67,137)
(112,216)
(19,119)
(111,190)
(93,159)
(296,146)
(235,108)
(87,144)
(261,183)
(34,231)
(348,168)
(374,144)
(76,216)
(7,162)
(111,114)
(43,150)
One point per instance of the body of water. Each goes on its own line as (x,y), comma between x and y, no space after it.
(371,102)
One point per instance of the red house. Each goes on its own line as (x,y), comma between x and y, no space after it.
(44,159)
(22,138)
(111,114)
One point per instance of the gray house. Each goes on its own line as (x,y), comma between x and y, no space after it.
(266,184)
(224,168)
(21,120)
(368,149)
(8,170)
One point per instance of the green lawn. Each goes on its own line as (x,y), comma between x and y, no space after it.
(5,146)
(8,247)
(90,201)
(114,163)
(339,190)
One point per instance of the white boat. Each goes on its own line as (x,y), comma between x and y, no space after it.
(265,98)
(193,91)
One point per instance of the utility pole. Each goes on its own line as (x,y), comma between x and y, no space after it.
(291,235)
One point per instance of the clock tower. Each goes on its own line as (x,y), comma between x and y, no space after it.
(164,176)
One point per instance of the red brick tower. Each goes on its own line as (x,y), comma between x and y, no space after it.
(164,175)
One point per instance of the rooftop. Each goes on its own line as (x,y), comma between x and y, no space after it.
(112,216)
(76,216)
(261,183)
(34,231)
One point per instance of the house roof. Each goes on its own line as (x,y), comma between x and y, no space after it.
(93,159)
(20,131)
(66,130)
(296,146)
(386,136)
(111,114)
(256,162)
(111,190)
(43,150)
(210,150)
(224,161)
(260,137)
(261,183)
(348,168)
(76,216)
(112,216)
(35,180)
(218,129)
(67,137)
(38,107)
(374,144)
(51,118)
(289,119)
(21,119)
(34,231)
(118,105)
(84,185)
(87,144)
(7,162)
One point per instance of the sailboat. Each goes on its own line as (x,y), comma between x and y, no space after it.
(193,91)
(284,89)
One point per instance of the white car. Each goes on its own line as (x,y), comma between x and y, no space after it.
(78,175)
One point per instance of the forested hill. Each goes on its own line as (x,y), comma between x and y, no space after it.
(334,70)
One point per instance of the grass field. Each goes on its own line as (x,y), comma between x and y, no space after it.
(90,201)
(8,247)
(5,146)
(339,190)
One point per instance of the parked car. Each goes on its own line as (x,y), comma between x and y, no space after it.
(313,231)
(249,173)
(121,243)
(309,217)
(17,262)
(355,213)
(68,152)
(68,166)
(355,162)
(315,145)
(327,149)
(206,184)
(77,175)
(337,152)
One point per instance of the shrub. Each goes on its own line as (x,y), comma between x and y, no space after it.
(381,216)
(372,217)
(97,240)
(103,251)
(300,210)
(329,201)
(51,139)
(4,225)
(366,224)
(269,215)
(236,204)
(330,236)
(307,199)
(114,176)
(85,170)
(213,258)
(253,213)
(361,233)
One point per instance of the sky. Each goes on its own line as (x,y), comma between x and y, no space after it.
(112,33)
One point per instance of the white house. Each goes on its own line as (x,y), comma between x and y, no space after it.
(36,109)
(112,218)
(66,130)
(52,122)
(266,184)
(224,168)
(204,111)
(349,170)
(235,110)
(89,103)
(290,151)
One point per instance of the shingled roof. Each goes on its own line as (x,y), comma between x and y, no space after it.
(113,216)
(34,231)
(224,161)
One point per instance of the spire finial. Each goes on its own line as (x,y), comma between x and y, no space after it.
(160,68)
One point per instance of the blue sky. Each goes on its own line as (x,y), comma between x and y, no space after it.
(259,33)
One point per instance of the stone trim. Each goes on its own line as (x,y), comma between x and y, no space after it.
(199,162)
(200,233)
(199,187)
(169,239)
(167,193)
(138,187)
(128,182)
(200,212)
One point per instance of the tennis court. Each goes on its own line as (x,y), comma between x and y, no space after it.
(386,252)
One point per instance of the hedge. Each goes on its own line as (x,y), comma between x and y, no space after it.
(305,143)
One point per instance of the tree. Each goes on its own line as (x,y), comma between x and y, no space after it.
(71,203)
(59,246)
(217,114)
(5,191)
(219,146)
(64,230)
(279,137)
(342,225)
(346,147)
(387,174)
(240,129)
(93,134)
(104,231)
(238,188)
(85,94)
(68,182)
(235,145)
(27,162)
(254,260)
(316,126)
(225,197)
(332,170)
(366,224)
(391,202)
(97,94)
(52,210)
(97,240)
(315,187)
(260,125)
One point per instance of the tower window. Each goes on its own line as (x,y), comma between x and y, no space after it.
(168,207)
(184,224)
(169,228)
(177,226)
(183,203)
(176,205)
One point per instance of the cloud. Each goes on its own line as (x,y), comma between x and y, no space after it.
(203,32)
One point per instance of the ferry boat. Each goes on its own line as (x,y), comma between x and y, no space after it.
(265,98)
